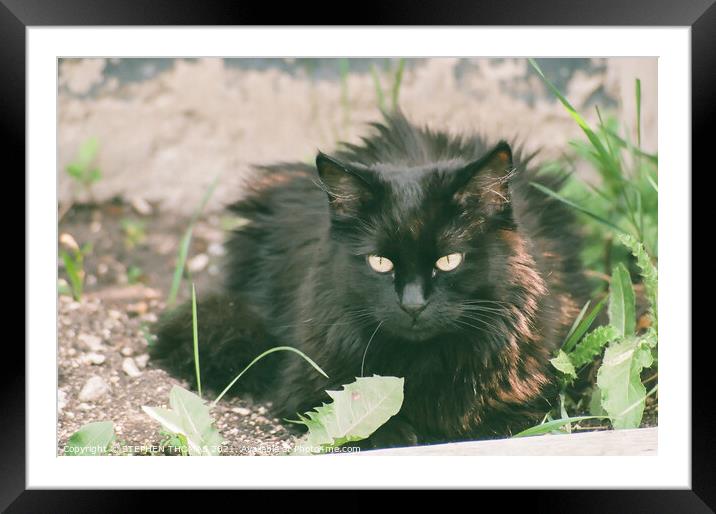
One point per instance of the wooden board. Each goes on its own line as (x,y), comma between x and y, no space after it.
(641,442)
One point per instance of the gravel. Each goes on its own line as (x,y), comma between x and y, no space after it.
(104,369)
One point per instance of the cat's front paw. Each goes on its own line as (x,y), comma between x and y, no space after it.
(395,433)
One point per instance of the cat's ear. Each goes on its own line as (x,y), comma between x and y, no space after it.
(347,188)
(486,181)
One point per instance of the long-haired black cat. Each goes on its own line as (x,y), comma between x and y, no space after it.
(415,254)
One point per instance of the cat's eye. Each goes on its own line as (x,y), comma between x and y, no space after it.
(380,264)
(449,262)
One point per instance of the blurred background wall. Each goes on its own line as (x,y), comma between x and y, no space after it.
(167,127)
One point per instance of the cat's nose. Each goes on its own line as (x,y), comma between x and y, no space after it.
(414,309)
(413,300)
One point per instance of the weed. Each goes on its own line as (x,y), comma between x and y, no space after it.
(82,169)
(134,231)
(184,245)
(622,208)
(73,256)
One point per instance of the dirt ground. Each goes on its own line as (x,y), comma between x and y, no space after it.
(104,372)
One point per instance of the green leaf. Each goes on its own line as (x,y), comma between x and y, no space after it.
(355,413)
(564,364)
(595,403)
(551,426)
(592,345)
(649,273)
(189,416)
(87,152)
(91,439)
(585,322)
(622,315)
(619,380)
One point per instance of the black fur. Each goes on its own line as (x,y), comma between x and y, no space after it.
(475,360)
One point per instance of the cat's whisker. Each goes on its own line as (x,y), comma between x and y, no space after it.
(362,364)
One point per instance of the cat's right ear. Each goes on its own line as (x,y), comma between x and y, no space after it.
(347,188)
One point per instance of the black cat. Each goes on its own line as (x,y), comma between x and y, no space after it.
(415,254)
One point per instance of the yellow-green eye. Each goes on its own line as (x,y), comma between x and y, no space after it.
(380,264)
(449,262)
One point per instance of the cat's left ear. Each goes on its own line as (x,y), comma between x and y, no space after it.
(486,180)
(348,188)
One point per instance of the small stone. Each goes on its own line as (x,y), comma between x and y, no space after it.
(243,411)
(114,314)
(142,360)
(216,249)
(84,406)
(150,317)
(126,351)
(197,263)
(94,358)
(141,206)
(137,309)
(130,367)
(93,389)
(95,226)
(262,420)
(90,342)
(102,268)
(262,410)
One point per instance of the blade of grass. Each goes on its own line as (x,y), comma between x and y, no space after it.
(264,354)
(589,213)
(344,66)
(195,326)
(395,93)
(550,426)
(380,97)
(653,158)
(605,158)
(577,321)
(584,325)
(184,245)
(638,113)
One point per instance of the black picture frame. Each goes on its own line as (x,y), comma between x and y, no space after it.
(17,15)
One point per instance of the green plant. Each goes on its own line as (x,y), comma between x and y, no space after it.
(134,274)
(624,200)
(354,414)
(73,258)
(189,417)
(91,439)
(344,67)
(134,231)
(621,208)
(82,170)
(185,243)
(395,88)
